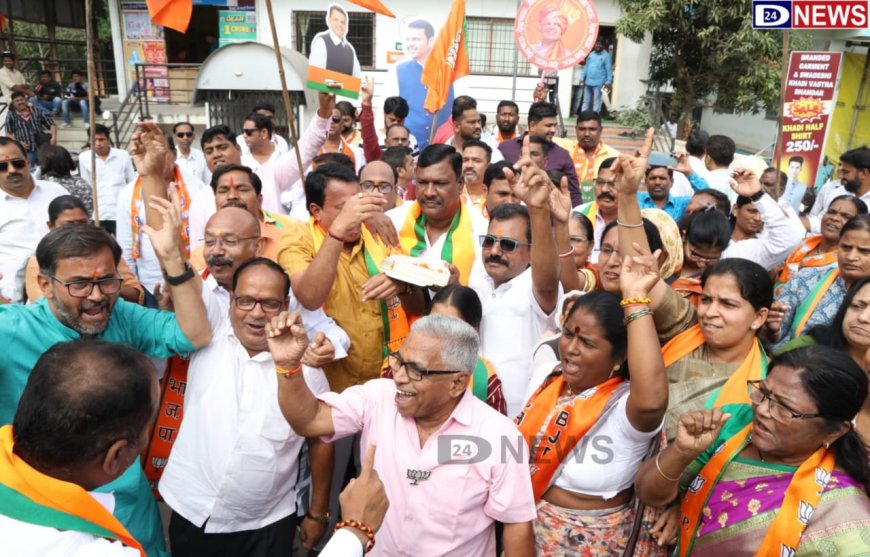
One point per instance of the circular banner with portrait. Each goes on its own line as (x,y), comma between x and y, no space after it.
(556,34)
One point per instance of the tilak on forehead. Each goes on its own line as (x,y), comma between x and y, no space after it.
(576,330)
(232,181)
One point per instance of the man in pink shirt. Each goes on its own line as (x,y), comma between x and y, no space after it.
(451,465)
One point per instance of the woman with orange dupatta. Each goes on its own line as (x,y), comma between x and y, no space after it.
(821,250)
(589,427)
(706,236)
(784,476)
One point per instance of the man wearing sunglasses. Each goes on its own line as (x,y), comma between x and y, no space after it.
(257,131)
(189,159)
(23,206)
(224,500)
(441,452)
(267,110)
(79,277)
(521,287)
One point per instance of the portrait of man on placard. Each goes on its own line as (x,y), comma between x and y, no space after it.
(330,49)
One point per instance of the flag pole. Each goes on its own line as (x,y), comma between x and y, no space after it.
(777,154)
(89,41)
(434,122)
(288,106)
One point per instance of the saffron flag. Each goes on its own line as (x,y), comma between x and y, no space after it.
(374,6)
(448,60)
(174,14)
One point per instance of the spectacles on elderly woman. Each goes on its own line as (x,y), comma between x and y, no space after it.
(779,411)
(414,371)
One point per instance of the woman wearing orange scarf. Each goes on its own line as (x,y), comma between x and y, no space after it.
(821,251)
(786,476)
(589,428)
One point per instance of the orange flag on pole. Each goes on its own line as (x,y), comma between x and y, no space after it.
(448,60)
(374,6)
(174,14)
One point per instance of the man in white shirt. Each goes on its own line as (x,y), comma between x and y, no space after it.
(267,110)
(521,287)
(11,79)
(696,146)
(82,421)
(854,174)
(189,159)
(23,212)
(258,131)
(138,252)
(232,471)
(330,49)
(114,170)
(718,157)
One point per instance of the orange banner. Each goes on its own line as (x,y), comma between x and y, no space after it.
(448,60)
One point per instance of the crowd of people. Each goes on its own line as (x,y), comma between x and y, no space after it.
(630,357)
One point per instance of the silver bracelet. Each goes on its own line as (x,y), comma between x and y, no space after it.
(638,225)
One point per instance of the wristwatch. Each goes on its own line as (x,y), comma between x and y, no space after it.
(178,280)
(323,519)
(757,195)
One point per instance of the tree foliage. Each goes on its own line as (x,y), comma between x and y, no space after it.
(708,52)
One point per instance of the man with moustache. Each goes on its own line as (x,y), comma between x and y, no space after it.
(438,225)
(79,277)
(23,207)
(223,499)
(220,148)
(543,121)
(659,181)
(507,116)
(467,127)
(521,287)
(440,504)
(602,210)
(588,154)
(476,157)
(854,173)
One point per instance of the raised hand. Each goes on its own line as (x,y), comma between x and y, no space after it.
(320,351)
(775,316)
(539,187)
(287,339)
(698,429)
(148,147)
(640,273)
(628,173)
(367,90)
(647,146)
(514,174)
(166,241)
(326,102)
(540,92)
(364,499)
(560,202)
(744,182)
(682,163)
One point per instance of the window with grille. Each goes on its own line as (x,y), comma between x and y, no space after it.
(360,33)
(491,47)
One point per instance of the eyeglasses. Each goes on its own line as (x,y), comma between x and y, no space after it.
(690,253)
(415,372)
(336,119)
(506,245)
(17,164)
(606,251)
(84,288)
(227,240)
(268,305)
(183,134)
(604,184)
(577,239)
(758,393)
(383,187)
(250,131)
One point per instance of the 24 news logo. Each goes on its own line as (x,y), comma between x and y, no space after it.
(809,14)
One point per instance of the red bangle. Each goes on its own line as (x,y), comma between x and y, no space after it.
(362,528)
(334,236)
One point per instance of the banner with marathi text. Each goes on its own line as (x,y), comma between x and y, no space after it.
(807,106)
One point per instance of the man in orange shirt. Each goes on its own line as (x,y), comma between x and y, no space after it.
(589,152)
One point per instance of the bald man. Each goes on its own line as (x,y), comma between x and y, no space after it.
(380,176)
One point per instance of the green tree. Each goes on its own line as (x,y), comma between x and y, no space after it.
(708,52)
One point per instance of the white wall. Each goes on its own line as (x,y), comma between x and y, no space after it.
(632,63)
(749,131)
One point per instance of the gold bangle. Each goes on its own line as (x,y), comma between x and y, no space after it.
(634,301)
(659,468)
(287,372)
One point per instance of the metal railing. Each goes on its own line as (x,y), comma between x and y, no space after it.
(164,84)
(124,120)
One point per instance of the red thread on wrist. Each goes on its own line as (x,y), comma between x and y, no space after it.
(362,528)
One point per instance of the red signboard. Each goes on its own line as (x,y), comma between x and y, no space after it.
(808,103)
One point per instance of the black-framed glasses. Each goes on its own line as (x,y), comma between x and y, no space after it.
(17,164)
(268,305)
(84,288)
(227,240)
(604,184)
(415,372)
(383,187)
(780,412)
(250,131)
(505,245)
(183,134)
